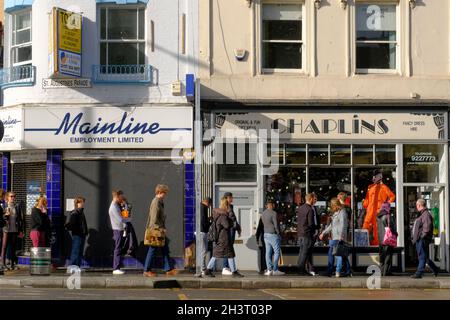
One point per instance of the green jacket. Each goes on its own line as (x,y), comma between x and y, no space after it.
(156,214)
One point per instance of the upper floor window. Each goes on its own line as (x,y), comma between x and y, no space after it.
(122,36)
(21,48)
(281,37)
(376,38)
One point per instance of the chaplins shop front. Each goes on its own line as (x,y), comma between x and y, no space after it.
(284,155)
(89,151)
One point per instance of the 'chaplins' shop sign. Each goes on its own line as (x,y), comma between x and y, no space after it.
(108,127)
(11,126)
(335,126)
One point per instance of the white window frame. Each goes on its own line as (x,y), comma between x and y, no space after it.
(269,71)
(13,31)
(398,49)
(107,41)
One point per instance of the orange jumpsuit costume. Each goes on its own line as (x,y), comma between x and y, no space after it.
(377,193)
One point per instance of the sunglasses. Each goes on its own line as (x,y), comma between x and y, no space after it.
(12,196)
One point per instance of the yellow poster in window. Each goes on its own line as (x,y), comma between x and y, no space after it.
(69,31)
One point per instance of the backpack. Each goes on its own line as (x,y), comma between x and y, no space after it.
(213,233)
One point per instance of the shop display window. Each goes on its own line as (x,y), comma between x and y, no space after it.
(236,162)
(328,173)
(424,163)
(341,154)
(363,154)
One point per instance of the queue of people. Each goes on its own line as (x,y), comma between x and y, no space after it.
(218,233)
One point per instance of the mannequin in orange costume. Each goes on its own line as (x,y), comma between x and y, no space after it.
(377,193)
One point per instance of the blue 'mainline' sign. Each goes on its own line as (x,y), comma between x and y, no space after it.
(109,127)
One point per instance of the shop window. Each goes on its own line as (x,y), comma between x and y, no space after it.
(122,36)
(363,154)
(362,181)
(318,154)
(296,153)
(287,188)
(282,39)
(21,46)
(385,154)
(424,163)
(236,162)
(276,153)
(376,37)
(340,154)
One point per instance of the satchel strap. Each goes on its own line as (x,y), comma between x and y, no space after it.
(148,219)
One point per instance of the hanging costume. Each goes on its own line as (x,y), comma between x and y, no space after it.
(377,193)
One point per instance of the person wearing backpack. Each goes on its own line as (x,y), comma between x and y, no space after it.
(205,223)
(385,220)
(222,246)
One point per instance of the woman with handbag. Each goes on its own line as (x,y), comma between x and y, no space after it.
(155,233)
(338,229)
(387,233)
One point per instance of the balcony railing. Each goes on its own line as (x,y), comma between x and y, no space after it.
(19,76)
(123,74)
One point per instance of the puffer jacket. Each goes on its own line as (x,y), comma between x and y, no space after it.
(223,248)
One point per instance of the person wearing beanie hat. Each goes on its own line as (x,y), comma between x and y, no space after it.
(377,193)
(385,219)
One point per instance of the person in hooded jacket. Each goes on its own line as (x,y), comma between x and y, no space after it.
(385,219)
(223,247)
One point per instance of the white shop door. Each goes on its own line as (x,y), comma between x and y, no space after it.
(246,210)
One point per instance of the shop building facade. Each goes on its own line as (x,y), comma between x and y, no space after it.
(329,91)
(118,114)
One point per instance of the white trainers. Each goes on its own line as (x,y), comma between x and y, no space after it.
(226,272)
(338,275)
(312,273)
(268,273)
(278,273)
(118,272)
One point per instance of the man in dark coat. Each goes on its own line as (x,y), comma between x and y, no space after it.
(306,230)
(422,238)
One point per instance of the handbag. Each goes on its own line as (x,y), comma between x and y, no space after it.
(390,239)
(341,250)
(154,237)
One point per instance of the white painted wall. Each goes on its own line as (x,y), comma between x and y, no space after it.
(170,64)
(226,25)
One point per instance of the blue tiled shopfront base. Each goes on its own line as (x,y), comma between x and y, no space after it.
(189,204)
(128,262)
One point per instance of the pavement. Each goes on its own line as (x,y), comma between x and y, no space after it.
(222,295)
(133,279)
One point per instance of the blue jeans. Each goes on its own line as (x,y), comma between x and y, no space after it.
(231,262)
(423,251)
(77,250)
(272,247)
(340,261)
(151,253)
(332,244)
